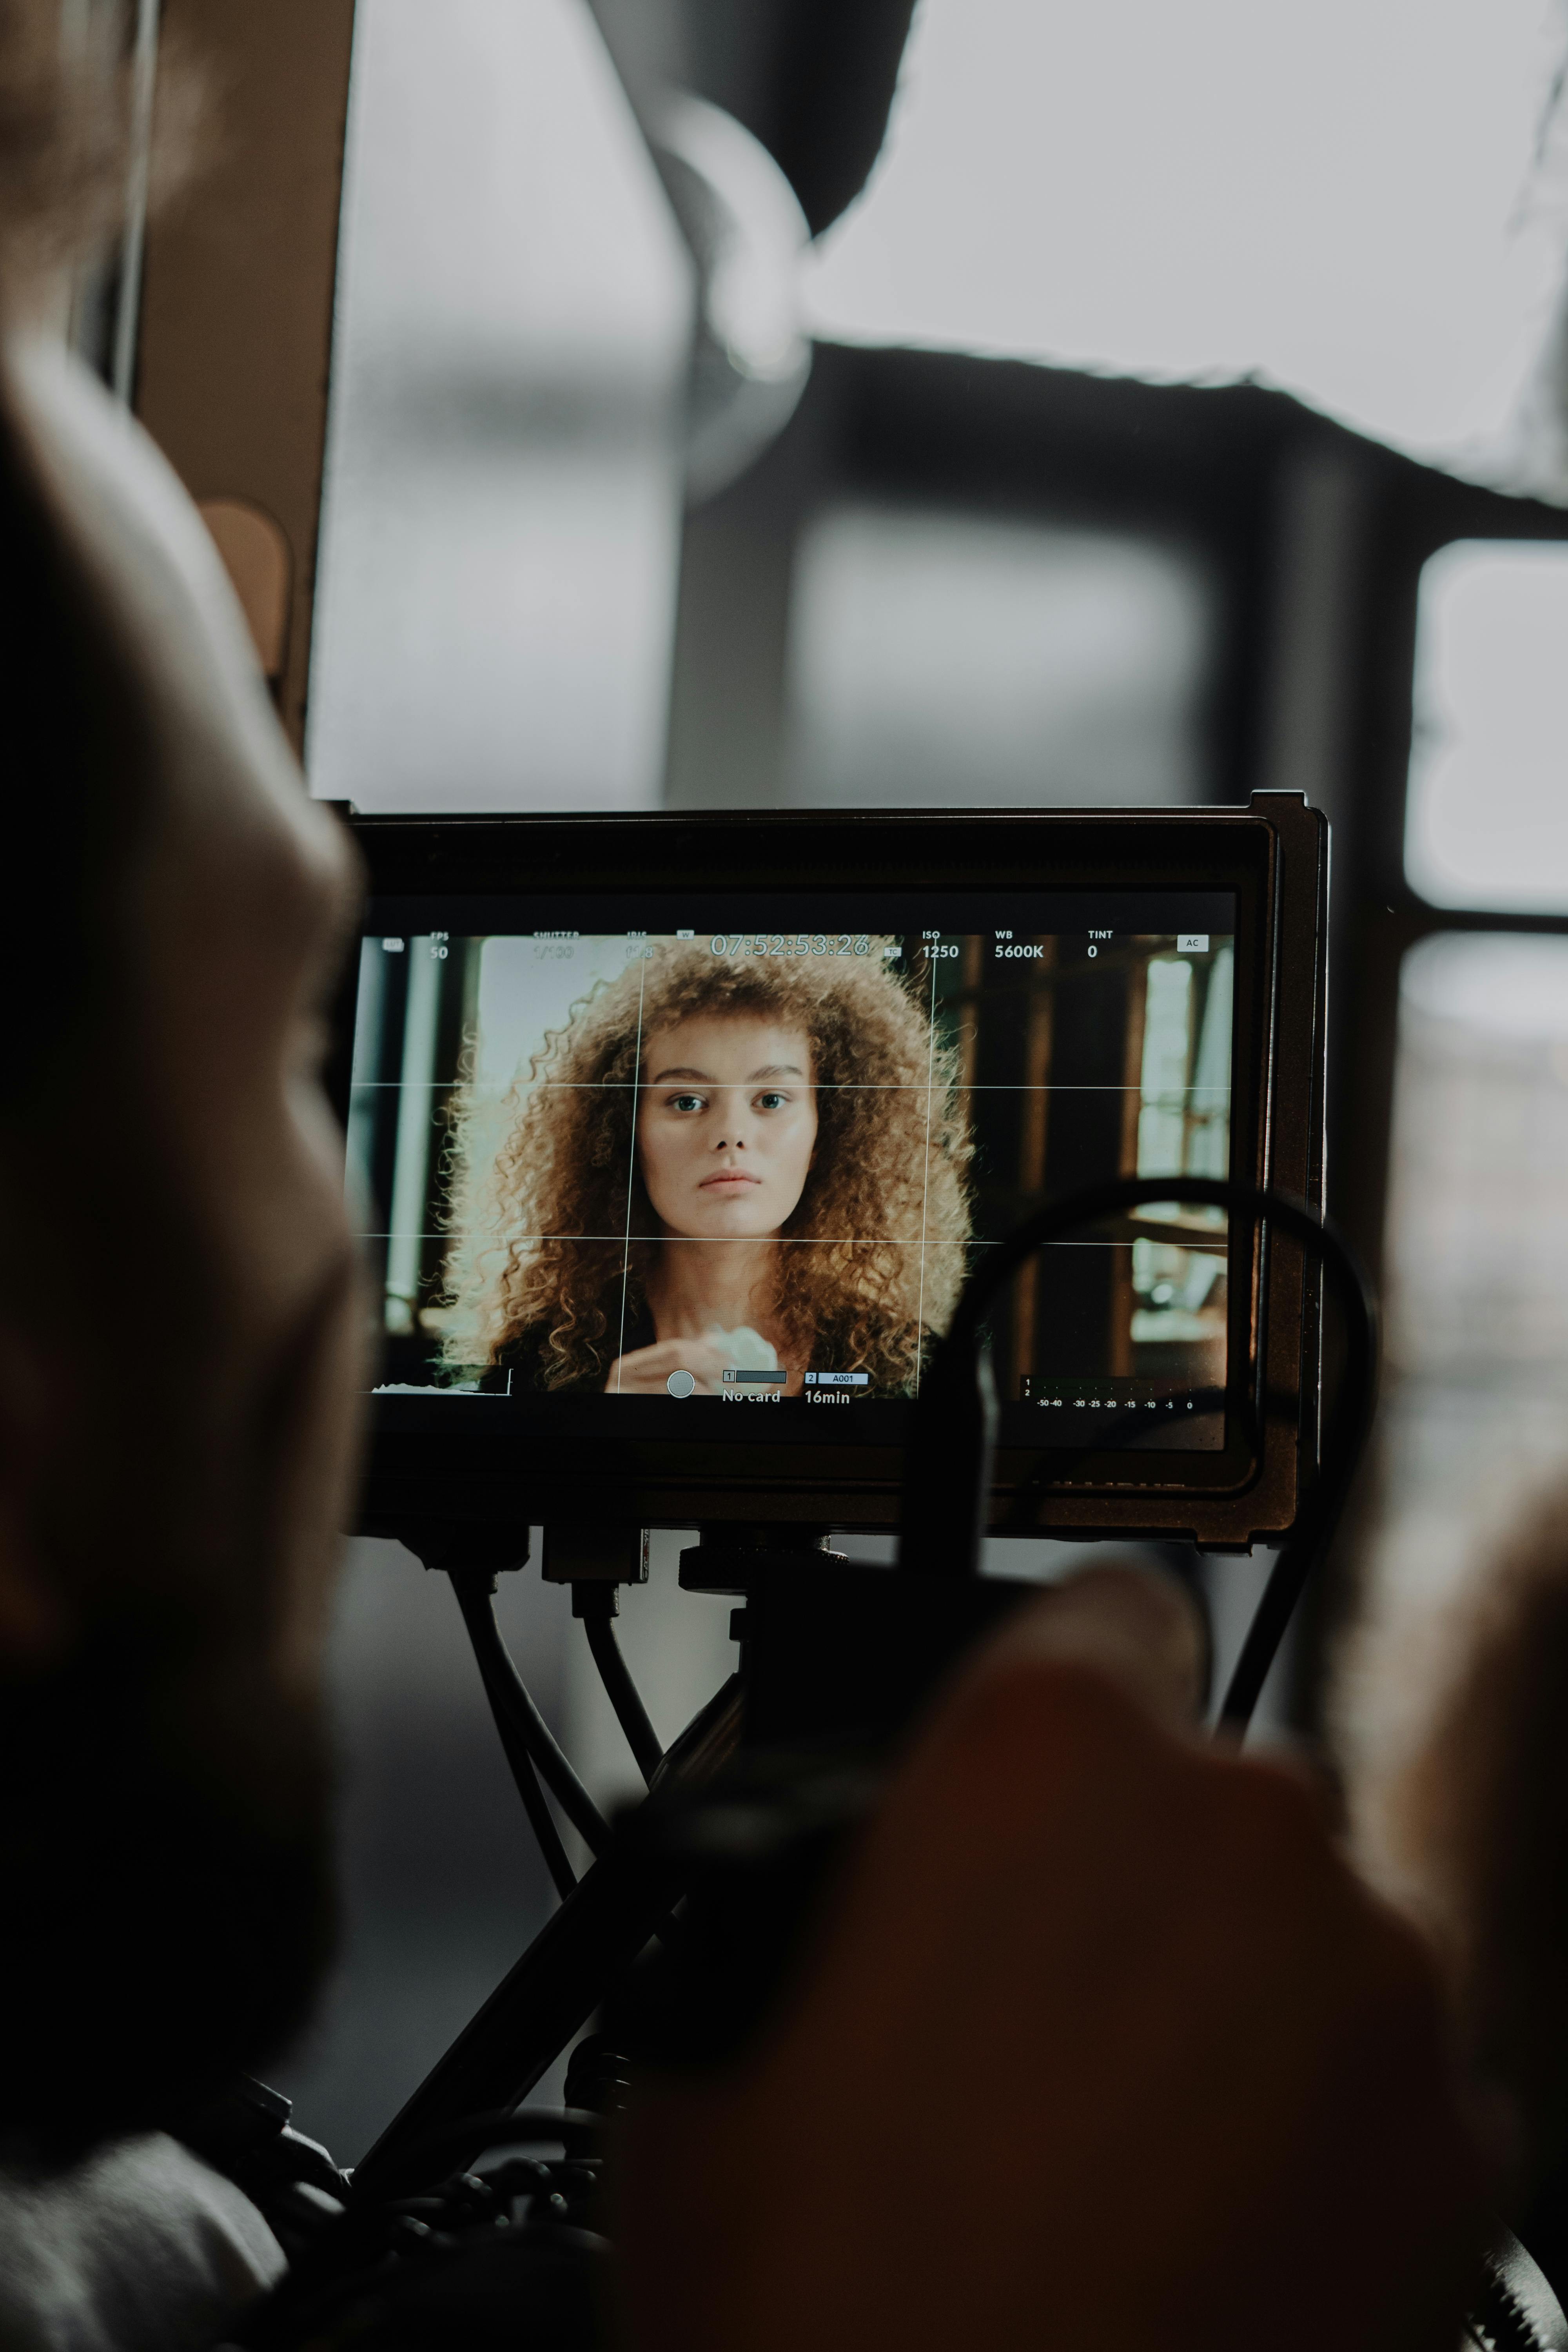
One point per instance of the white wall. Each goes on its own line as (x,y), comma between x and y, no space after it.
(501,523)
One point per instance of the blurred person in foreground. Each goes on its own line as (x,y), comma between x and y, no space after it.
(1104,2046)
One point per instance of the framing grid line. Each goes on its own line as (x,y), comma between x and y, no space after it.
(821,1087)
(1180,1240)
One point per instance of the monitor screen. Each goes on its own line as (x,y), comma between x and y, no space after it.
(721,1161)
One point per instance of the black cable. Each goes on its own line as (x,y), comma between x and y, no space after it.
(945,1507)
(1287,1578)
(594,1604)
(541,1819)
(511,1704)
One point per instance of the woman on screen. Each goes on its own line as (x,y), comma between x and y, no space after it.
(722,1163)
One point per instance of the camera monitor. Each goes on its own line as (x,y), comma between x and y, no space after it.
(673,1138)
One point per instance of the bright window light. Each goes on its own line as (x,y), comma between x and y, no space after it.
(1476,1270)
(1487,820)
(1343,200)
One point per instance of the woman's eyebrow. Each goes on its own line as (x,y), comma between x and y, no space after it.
(768,1070)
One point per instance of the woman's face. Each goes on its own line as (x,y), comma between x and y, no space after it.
(726,1125)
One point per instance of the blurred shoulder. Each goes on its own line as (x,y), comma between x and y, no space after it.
(139,2243)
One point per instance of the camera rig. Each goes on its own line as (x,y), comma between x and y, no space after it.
(679,1931)
(458,2223)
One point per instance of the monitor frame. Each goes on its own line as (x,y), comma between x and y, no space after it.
(1272,853)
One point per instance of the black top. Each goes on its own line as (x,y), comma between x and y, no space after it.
(518,1367)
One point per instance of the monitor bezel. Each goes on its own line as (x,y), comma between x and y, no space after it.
(1272,854)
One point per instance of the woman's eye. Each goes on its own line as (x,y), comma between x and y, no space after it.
(771,1101)
(688,1102)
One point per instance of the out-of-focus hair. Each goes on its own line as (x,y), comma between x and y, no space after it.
(1477,1823)
(63,136)
(66,111)
(543,1226)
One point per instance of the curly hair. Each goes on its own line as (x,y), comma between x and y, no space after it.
(69,130)
(539,1222)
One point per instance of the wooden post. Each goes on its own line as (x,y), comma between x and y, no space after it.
(235,320)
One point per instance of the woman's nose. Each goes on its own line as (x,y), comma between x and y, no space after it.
(733,1124)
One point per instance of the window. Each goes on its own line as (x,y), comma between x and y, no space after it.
(938,658)
(1219,190)
(1487,818)
(1475,1404)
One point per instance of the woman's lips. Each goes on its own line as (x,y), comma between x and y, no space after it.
(724,1178)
